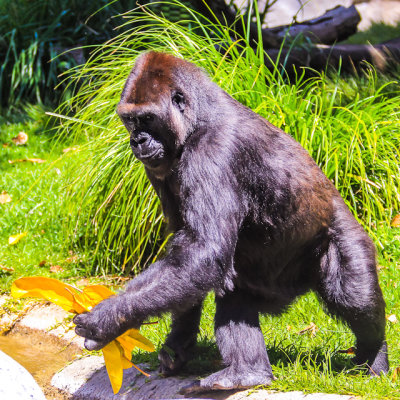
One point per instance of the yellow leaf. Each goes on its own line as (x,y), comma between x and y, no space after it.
(133,338)
(117,354)
(49,289)
(16,238)
(395,221)
(32,160)
(5,197)
(113,357)
(92,295)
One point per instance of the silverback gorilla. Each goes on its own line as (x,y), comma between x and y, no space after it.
(254,219)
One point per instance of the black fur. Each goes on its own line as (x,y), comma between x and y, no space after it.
(255,221)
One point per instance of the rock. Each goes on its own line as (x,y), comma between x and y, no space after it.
(16,382)
(87,379)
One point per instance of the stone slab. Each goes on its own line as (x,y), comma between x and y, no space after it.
(87,379)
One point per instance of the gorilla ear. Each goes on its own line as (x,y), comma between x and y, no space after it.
(178,100)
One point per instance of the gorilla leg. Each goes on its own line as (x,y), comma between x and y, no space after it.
(241,343)
(180,342)
(351,291)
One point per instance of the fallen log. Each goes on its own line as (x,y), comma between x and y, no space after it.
(335,25)
(347,57)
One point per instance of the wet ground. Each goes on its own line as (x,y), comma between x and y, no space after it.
(41,355)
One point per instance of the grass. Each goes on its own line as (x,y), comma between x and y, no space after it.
(349,126)
(38,211)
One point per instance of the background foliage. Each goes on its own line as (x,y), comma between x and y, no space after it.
(349,126)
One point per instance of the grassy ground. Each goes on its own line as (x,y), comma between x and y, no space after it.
(36,212)
(312,361)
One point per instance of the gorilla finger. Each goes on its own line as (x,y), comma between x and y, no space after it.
(79,319)
(87,333)
(93,344)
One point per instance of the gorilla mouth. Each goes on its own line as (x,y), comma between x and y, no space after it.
(154,156)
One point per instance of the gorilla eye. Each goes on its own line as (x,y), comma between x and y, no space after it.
(178,100)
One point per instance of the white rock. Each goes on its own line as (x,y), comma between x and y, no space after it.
(16,383)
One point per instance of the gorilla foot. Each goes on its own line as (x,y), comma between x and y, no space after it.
(171,362)
(229,379)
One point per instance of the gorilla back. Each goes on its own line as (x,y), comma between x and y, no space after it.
(254,219)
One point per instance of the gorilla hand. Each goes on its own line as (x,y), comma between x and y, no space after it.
(101,325)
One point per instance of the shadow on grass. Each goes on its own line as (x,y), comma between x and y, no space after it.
(206,359)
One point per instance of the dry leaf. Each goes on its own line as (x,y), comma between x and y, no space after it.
(20,139)
(117,354)
(72,259)
(16,238)
(395,374)
(5,145)
(32,160)
(56,268)
(5,197)
(42,263)
(83,282)
(395,221)
(392,318)
(7,270)
(312,328)
(350,350)
(68,149)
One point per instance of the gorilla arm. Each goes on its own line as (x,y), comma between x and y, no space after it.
(200,259)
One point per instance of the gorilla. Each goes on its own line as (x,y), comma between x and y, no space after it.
(254,220)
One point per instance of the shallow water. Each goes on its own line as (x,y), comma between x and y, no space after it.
(41,355)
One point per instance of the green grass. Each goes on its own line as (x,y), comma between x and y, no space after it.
(349,126)
(36,211)
(376,33)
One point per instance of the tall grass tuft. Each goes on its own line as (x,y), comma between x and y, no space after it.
(349,126)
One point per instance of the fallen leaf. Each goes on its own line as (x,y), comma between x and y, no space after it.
(20,139)
(56,268)
(7,270)
(42,263)
(16,238)
(395,221)
(83,282)
(49,289)
(350,350)
(392,318)
(5,145)
(312,328)
(395,374)
(72,259)
(32,160)
(118,353)
(5,197)
(68,149)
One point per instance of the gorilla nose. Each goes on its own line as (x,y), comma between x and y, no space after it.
(139,139)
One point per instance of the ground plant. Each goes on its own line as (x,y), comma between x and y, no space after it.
(89,210)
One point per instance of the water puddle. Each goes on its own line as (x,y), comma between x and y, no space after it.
(41,354)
